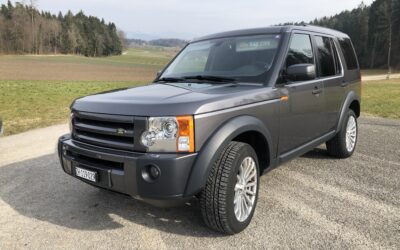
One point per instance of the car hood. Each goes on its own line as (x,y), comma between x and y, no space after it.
(174,99)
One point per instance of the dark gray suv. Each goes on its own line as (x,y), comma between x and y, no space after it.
(225,109)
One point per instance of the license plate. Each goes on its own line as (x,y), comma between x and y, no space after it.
(86,174)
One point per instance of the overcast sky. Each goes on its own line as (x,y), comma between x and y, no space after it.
(191,18)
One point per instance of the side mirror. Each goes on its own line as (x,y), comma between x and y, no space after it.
(301,72)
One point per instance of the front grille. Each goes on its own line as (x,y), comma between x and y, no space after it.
(110,131)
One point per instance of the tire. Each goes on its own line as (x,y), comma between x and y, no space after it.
(338,146)
(217,200)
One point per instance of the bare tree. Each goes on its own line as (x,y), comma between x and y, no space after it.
(2,24)
(391,5)
(122,38)
(33,8)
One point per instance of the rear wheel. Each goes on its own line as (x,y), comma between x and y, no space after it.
(230,195)
(345,141)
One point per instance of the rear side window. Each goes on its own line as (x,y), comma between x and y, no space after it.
(325,56)
(349,54)
(300,50)
(337,60)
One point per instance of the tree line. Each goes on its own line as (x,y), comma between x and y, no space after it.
(374,30)
(25,29)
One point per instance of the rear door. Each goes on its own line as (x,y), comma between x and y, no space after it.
(302,113)
(330,71)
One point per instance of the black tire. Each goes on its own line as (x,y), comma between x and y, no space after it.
(217,198)
(337,145)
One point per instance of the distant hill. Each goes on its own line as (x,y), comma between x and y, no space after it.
(157,42)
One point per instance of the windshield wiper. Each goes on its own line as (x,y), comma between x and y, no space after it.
(211,78)
(171,79)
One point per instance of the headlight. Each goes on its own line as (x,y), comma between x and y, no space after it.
(169,134)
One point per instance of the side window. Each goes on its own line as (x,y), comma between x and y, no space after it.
(325,56)
(349,54)
(300,50)
(337,60)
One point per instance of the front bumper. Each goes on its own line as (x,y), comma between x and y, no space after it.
(121,171)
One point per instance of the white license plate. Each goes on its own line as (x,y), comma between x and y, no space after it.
(86,174)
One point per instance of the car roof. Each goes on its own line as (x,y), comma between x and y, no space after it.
(273,30)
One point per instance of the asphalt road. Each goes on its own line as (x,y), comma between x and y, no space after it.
(313,201)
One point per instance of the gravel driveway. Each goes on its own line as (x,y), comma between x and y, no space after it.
(311,202)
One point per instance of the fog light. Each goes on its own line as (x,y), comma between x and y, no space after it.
(150,173)
(154,172)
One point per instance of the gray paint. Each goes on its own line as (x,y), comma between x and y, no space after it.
(267,112)
(166,99)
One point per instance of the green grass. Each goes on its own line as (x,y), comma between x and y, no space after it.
(31,104)
(150,57)
(32,94)
(381,98)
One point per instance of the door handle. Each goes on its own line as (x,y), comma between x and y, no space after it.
(317,91)
(343,84)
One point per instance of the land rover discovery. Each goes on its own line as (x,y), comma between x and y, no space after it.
(228,107)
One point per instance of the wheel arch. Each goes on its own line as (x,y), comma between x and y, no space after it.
(352,102)
(260,145)
(237,128)
(355,106)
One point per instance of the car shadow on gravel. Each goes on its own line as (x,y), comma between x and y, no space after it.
(39,189)
(318,153)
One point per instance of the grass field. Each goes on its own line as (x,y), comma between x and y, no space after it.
(36,91)
(31,104)
(381,98)
(134,65)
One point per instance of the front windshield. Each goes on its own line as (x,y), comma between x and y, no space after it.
(247,58)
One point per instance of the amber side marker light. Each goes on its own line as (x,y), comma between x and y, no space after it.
(284,98)
(185,140)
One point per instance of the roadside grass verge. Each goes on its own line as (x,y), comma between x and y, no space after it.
(26,105)
(381,98)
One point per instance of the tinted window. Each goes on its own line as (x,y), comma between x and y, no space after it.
(300,50)
(325,56)
(348,52)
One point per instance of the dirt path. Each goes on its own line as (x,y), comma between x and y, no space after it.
(31,144)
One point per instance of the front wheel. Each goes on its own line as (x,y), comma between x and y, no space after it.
(230,196)
(345,141)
